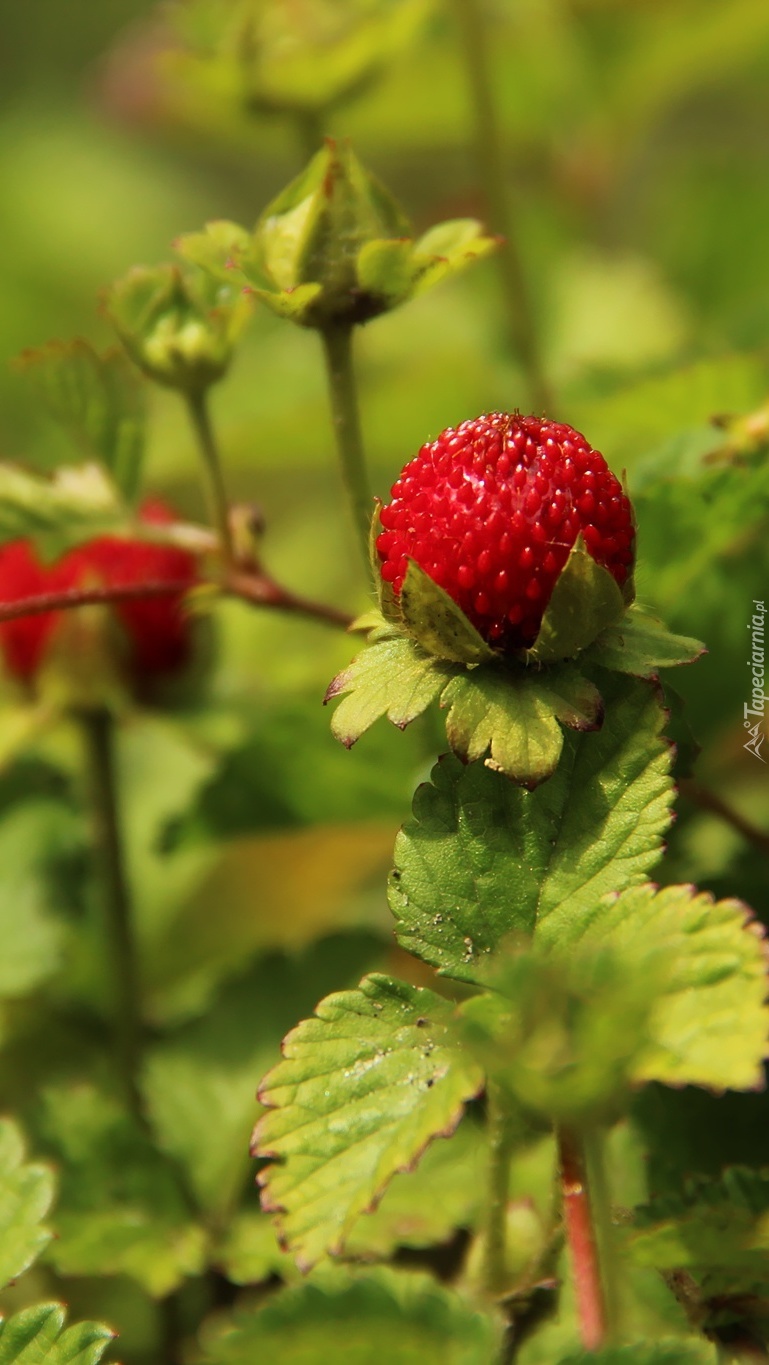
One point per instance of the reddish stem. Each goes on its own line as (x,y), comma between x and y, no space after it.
(581,1237)
(250,587)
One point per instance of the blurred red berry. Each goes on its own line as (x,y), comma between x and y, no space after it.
(157,633)
(491,509)
(24,640)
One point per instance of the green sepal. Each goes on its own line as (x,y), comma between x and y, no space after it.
(390,677)
(179,326)
(640,644)
(334,248)
(389,602)
(512,719)
(363,1088)
(447,248)
(400,269)
(97,398)
(509,716)
(437,624)
(215,248)
(586,600)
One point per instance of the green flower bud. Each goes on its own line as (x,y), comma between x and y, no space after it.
(334,249)
(178,326)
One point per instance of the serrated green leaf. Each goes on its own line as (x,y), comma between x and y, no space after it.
(641,644)
(73,505)
(510,717)
(482,857)
(364,1086)
(712,1224)
(98,399)
(384,1315)
(710,1021)
(673,1351)
(437,624)
(585,601)
(38,1336)
(390,677)
(26,1192)
(121,1209)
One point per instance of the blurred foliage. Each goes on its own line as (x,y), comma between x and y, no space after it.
(635,143)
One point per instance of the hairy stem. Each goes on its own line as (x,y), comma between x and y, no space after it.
(489,155)
(501,1144)
(197,406)
(337,349)
(98,734)
(582,1239)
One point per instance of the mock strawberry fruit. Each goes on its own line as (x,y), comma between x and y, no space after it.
(23,641)
(157,641)
(156,630)
(491,509)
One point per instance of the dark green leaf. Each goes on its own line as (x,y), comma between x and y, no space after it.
(483,858)
(402,1318)
(121,1209)
(711,1224)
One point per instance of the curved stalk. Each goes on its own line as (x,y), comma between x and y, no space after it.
(197,406)
(256,588)
(97,729)
(343,393)
(491,167)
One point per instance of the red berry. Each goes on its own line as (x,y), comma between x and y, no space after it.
(491,509)
(24,640)
(156,630)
